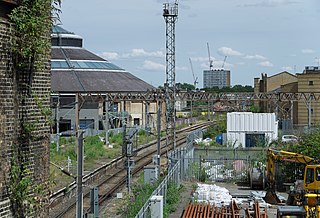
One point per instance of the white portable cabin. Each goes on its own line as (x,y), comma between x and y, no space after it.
(249,129)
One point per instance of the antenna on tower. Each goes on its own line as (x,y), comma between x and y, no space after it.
(210,61)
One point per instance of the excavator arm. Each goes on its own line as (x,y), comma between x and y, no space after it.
(279,155)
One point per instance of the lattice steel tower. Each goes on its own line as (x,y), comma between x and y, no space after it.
(170,14)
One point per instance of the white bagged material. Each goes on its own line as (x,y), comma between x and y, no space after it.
(213,194)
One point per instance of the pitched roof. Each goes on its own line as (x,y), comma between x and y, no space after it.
(73,54)
(96,81)
(75,69)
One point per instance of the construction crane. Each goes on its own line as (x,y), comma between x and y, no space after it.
(224,61)
(195,79)
(210,61)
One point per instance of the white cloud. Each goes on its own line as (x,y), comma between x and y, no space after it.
(287,68)
(307,51)
(228,52)
(270,3)
(201,59)
(255,57)
(153,66)
(266,64)
(140,52)
(110,55)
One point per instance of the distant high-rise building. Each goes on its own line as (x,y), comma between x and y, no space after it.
(216,78)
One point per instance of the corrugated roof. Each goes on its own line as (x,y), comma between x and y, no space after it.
(74,54)
(96,81)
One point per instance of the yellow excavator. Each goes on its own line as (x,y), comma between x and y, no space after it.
(307,201)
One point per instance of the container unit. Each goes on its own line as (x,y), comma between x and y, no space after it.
(249,129)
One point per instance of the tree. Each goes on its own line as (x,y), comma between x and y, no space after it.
(185,86)
(235,88)
(309,144)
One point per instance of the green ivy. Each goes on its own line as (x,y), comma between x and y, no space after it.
(30,42)
(31,19)
(19,188)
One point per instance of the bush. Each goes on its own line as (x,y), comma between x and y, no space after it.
(218,128)
(309,144)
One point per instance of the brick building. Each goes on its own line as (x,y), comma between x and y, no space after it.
(303,113)
(309,81)
(283,82)
(20,96)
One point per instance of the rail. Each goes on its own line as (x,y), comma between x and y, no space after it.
(176,173)
(58,197)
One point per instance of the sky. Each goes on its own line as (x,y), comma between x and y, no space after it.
(257,36)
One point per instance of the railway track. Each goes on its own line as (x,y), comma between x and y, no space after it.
(111,176)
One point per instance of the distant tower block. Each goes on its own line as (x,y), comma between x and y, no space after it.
(170,14)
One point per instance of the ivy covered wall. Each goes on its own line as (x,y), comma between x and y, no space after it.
(24,108)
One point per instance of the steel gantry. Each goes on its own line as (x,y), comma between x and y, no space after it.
(170,14)
(160,95)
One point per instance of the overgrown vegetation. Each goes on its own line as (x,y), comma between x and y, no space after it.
(95,152)
(173,197)
(131,205)
(29,50)
(309,144)
(219,127)
(235,88)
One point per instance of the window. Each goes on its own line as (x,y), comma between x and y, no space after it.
(310,83)
(86,124)
(309,176)
(318,174)
(136,121)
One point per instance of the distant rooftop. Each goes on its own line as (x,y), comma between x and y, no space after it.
(311,70)
(75,69)
(59,30)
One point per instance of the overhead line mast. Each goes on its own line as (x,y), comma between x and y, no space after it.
(170,14)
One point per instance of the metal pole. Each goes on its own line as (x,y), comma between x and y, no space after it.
(94,202)
(57,124)
(79,160)
(129,174)
(159,132)
(107,121)
(191,115)
(309,114)
(208,110)
(291,111)
(146,123)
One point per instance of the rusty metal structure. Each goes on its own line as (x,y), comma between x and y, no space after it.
(232,211)
(211,211)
